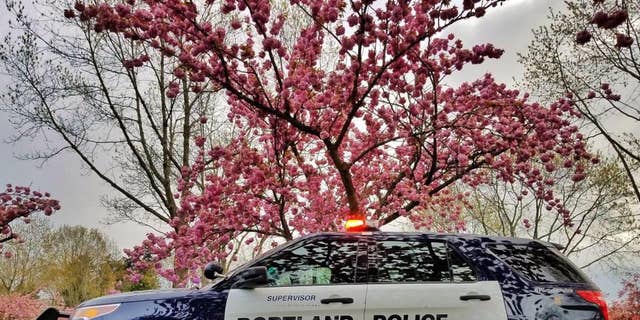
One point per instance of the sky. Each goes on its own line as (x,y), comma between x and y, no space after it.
(507,27)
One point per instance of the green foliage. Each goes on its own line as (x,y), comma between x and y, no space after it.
(21,274)
(72,263)
(79,263)
(148,280)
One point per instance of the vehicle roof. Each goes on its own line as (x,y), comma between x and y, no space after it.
(466,236)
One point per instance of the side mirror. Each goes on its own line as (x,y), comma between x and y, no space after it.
(212,270)
(52,314)
(251,278)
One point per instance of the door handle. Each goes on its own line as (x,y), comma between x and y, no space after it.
(481,297)
(336,300)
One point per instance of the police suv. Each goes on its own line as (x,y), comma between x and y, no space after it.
(375,275)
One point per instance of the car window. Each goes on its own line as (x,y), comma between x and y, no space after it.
(313,262)
(461,271)
(420,261)
(538,263)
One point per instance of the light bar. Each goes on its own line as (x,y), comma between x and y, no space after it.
(354,225)
(358,223)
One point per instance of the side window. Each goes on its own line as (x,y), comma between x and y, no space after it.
(461,271)
(412,261)
(420,261)
(538,263)
(314,262)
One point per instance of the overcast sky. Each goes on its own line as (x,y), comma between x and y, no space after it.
(508,27)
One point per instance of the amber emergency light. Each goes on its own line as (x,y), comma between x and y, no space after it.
(359,224)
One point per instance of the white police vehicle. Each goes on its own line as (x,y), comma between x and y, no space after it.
(375,275)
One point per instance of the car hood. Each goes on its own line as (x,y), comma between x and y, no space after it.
(138,296)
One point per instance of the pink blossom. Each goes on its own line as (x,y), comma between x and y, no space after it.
(200,140)
(68,13)
(15,306)
(173,90)
(179,72)
(21,203)
(623,41)
(583,37)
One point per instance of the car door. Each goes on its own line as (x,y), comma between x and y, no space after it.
(314,279)
(426,279)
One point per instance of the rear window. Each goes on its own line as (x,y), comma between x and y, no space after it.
(538,263)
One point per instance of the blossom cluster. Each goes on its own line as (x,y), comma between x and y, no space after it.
(607,20)
(18,202)
(628,306)
(19,307)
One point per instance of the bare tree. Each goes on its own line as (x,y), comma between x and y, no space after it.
(77,91)
(601,223)
(590,53)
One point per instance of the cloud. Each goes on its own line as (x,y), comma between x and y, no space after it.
(507,27)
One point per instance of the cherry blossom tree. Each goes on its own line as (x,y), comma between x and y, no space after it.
(343,108)
(19,307)
(18,202)
(628,307)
